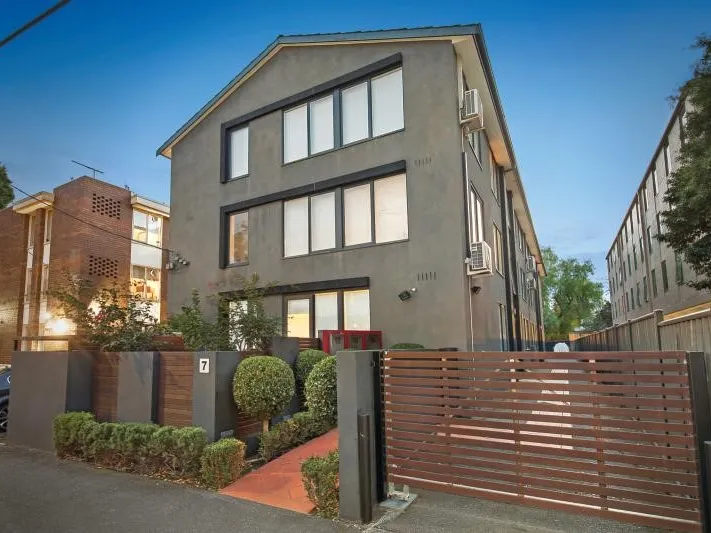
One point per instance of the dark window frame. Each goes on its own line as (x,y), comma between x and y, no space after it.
(665,277)
(311,296)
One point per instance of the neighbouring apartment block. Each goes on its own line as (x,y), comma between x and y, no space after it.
(644,274)
(86,228)
(370,178)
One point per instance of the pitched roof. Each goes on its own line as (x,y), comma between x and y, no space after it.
(292,40)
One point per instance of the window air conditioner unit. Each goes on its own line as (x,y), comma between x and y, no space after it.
(531,284)
(479,261)
(472,112)
(530,264)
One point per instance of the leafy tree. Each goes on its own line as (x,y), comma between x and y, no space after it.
(7,195)
(601,319)
(570,296)
(108,317)
(252,327)
(687,222)
(198,332)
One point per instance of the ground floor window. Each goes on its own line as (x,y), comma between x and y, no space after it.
(306,314)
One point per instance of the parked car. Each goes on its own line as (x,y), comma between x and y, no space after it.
(5,375)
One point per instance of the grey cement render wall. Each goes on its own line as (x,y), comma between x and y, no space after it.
(137,391)
(439,313)
(44,385)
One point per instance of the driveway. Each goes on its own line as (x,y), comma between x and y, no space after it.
(39,493)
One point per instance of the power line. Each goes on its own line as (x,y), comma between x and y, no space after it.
(48,204)
(39,18)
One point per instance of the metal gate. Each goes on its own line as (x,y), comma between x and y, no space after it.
(606,434)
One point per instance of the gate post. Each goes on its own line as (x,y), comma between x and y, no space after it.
(355,387)
(699,389)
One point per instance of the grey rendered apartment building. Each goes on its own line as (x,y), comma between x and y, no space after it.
(343,169)
(644,274)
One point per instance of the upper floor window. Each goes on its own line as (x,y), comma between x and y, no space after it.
(147,228)
(498,251)
(374,212)
(655,181)
(667,160)
(31,231)
(476,216)
(238,152)
(48,225)
(679,269)
(493,170)
(145,282)
(238,252)
(369,109)
(474,138)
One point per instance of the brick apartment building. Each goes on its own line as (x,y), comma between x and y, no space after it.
(86,227)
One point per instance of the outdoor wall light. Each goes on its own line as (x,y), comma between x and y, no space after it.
(406,294)
(476,289)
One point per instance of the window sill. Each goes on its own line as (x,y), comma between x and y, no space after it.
(337,148)
(233,265)
(238,178)
(347,248)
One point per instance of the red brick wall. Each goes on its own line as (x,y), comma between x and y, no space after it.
(13,240)
(90,248)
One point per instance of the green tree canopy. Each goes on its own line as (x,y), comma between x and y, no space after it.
(570,295)
(687,222)
(600,320)
(7,195)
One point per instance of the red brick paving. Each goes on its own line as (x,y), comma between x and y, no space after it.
(278,483)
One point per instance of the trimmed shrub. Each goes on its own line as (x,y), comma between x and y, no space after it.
(263,387)
(143,448)
(320,478)
(291,433)
(407,346)
(305,362)
(320,389)
(222,462)
(70,431)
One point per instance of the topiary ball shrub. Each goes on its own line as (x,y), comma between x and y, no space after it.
(407,346)
(263,387)
(320,390)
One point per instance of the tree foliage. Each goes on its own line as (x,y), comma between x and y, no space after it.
(107,317)
(199,332)
(570,295)
(602,318)
(7,195)
(687,222)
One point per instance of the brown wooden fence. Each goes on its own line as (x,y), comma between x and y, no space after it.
(104,385)
(651,332)
(175,389)
(610,435)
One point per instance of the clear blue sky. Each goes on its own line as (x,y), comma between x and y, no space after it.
(584,87)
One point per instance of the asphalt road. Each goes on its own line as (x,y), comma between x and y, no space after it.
(39,493)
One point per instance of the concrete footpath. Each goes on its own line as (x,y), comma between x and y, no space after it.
(39,494)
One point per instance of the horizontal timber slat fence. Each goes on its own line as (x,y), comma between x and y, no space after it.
(605,434)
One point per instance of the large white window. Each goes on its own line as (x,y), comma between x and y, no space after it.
(145,282)
(321,125)
(298,317)
(498,251)
(239,152)
(356,310)
(476,217)
(357,221)
(296,227)
(354,109)
(387,107)
(147,228)
(323,221)
(239,238)
(325,311)
(390,209)
(494,173)
(296,134)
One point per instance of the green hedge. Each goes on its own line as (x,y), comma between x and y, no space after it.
(222,462)
(320,478)
(291,433)
(149,449)
(305,362)
(407,346)
(321,394)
